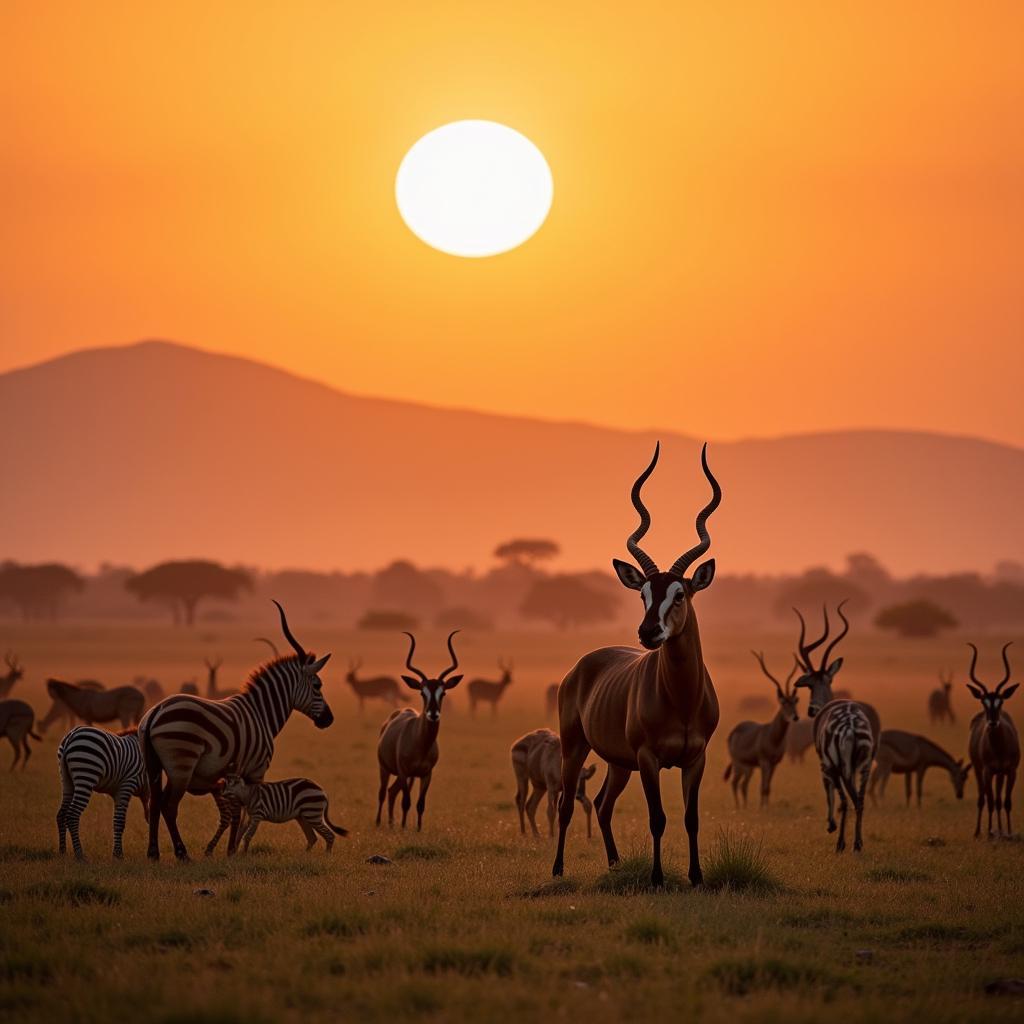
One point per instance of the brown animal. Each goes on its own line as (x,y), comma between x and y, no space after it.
(994,747)
(212,690)
(904,753)
(190,688)
(537,761)
(940,702)
(16,720)
(753,745)
(123,703)
(15,670)
(800,739)
(151,688)
(551,700)
(58,709)
(645,711)
(407,747)
(489,691)
(376,688)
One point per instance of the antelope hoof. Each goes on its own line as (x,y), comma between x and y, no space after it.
(182,855)
(697,880)
(841,846)
(153,855)
(857,846)
(832,827)
(557,871)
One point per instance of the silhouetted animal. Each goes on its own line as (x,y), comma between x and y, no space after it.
(994,747)
(16,721)
(194,740)
(152,689)
(378,687)
(940,701)
(800,739)
(213,692)
(537,761)
(94,760)
(190,688)
(489,691)
(15,670)
(753,745)
(288,800)
(909,755)
(58,709)
(407,747)
(123,703)
(645,711)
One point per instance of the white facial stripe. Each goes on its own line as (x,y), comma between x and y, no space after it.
(670,595)
(645,593)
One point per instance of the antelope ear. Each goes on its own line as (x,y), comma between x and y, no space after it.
(412,682)
(313,667)
(451,682)
(629,575)
(975,690)
(834,668)
(703,575)
(1009,691)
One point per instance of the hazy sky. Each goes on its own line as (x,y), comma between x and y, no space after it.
(767,219)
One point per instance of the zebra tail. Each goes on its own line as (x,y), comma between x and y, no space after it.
(336,829)
(728,772)
(154,771)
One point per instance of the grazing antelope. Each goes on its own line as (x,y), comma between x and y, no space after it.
(645,711)
(212,691)
(551,700)
(96,761)
(15,670)
(288,800)
(16,721)
(122,703)
(489,691)
(194,740)
(903,753)
(753,745)
(379,687)
(800,739)
(940,702)
(407,747)
(58,709)
(994,747)
(845,731)
(537,761)
(190,688)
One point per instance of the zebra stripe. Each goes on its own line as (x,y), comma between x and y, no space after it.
(94,760)
(298,800)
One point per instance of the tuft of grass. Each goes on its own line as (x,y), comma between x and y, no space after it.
(938,933)
(743,976)
(556,887)
(738,863)
(651,931)
(469,962)
(899,876)
(338,926)
(418,999)
(175,938)
(10,852)
(75,894)
(633,876)
(25,968)
(416,851)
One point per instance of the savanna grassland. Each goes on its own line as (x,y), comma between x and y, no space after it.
(466,923)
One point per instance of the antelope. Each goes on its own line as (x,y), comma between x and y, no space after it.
(645,711)
(212,691)
(407,747)
(752,745)
(551,700)
(15,670)
(903,753)
(800,739)
(994,746)
(537,761)
(16,720)
(151,688)
(190,688)
(845,731)
(940,704)
(489,691)
(124,703)
(58,709)
(381,687)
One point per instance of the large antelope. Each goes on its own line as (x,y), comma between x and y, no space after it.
(58,709)
(645,711)
(994,746)
(407,747)
(537,762)
(940,701)
(845,731)
(213,692)
(15,670)
(489,691)
(903,753)
(376,687)
(753,745)
(122,703)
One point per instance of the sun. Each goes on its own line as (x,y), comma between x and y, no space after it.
(474,188)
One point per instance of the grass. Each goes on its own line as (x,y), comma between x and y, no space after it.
(632,876)
(738,863)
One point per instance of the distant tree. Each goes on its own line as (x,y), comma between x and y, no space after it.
(817,587)
(460,617)
(868,573)
(182,585)
(1008,570)
(38,590)
(403,586)
(387,619)
(915,618)
(527,550)
(567,602)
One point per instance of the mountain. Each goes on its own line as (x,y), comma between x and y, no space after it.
(157,450)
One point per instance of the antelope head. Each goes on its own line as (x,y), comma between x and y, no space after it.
(506,670)
(959,774)
(353,667)
(991,700)
(15,670)
(432,690)
(308,695)
(819,679)
(787,696)
(667,596)
(946,682)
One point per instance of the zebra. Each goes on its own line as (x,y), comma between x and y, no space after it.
(94,760)
(298,800)
(194,740)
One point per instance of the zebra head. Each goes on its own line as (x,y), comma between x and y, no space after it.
(819,679)
(787,697)
(234,787)
(992,700)
(307,689)
(667,595)
(432,690)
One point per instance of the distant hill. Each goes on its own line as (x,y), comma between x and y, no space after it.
(157,450)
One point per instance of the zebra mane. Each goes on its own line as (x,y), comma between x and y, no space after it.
(132,730)
(259,674)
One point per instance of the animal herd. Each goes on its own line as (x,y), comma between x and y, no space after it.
(639,710)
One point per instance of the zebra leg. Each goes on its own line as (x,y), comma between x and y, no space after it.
(74,816)
(309,832)
(829,800)
(858,806)
(421,803)
(614,783)
(67,795)
(176,789)
(121,800)
(396,788)
(226,809)
(843,806)
(382,792)
(254,823)
(328,835)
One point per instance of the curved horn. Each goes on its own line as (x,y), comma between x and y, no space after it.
(764,668)
(846,629)
(1006,665)
(792,672)
(455,661)
(974,665)
(408,661)
(269,643)
(644,560)
(299,650)
(684,561)
(806,649)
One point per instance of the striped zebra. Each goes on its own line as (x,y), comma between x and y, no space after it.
(91,761)
(845,731)
(195,740)
(288,800)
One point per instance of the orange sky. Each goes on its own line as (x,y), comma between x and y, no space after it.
(797,217)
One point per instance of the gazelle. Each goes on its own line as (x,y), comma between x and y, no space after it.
(489,691)
(994,746)
(407,747)
(377,687)
(537,762)
(15,670)
(212,690)
(753,745)
(903,753)
(645,710)
(940,703)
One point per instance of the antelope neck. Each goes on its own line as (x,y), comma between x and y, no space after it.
(680,669)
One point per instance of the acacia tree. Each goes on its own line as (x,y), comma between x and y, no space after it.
(182,585)
(915,618)
(38,590)
(567,602)
(527,550)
